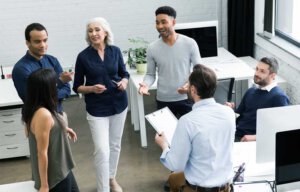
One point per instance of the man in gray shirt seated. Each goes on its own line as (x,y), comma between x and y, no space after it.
(172,55)
(201,149)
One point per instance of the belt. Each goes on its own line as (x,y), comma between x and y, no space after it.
(208,189)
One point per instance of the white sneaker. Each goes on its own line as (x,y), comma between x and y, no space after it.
(114,186)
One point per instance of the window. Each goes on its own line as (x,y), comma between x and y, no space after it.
(287,24)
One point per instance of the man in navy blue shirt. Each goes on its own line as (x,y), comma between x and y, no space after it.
(35,58)
(265,94)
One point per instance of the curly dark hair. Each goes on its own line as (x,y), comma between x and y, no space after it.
(170,11)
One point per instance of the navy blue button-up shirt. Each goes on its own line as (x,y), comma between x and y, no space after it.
(90,69)
(28,64)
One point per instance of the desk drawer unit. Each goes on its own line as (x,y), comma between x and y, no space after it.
(12,137)
(10,122)
(13,141)
(15,150)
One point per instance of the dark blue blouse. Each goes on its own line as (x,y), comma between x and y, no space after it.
(90,69)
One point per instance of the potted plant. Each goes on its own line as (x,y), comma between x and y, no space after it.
(137,55)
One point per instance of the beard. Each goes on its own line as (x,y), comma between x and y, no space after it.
(165,33)
(260,82)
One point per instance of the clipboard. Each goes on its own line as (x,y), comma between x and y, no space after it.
(163,120)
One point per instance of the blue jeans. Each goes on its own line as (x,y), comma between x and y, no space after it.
(67,185)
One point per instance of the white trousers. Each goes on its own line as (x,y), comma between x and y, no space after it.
(107,135)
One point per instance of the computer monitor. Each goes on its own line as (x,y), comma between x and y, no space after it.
(287,161)
(270,121)
(204,33)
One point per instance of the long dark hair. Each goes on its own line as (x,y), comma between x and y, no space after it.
(41,92)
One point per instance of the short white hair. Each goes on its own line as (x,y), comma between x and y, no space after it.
(109,40)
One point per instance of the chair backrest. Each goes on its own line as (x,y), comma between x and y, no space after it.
(224,90)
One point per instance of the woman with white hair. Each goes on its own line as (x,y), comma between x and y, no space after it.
(100,74)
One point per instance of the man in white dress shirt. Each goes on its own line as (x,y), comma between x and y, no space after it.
(201,148)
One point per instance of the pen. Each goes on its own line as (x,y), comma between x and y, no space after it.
(241,168)
(2,74)
(239,172)
(115,82)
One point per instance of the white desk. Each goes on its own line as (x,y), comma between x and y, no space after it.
(225,65)
(26,186)
(246,152)
(13,142)
(9,95)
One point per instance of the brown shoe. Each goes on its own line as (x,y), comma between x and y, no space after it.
(114,186)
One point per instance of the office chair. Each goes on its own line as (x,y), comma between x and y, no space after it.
(224,90)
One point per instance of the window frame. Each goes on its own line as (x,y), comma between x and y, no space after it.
(280,33)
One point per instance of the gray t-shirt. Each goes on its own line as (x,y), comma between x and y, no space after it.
(173,65)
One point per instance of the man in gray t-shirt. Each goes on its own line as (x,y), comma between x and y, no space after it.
(173,56)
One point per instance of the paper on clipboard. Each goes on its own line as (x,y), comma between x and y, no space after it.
(163,120)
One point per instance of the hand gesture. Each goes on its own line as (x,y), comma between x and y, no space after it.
(65,76)
(71,134)
(44,189)
(143,90)
(230,104)
(122,85)
(183,89)
(98,88)
(247,138)
(160,139)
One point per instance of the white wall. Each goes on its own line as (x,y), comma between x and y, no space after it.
(65,21)
(289,65)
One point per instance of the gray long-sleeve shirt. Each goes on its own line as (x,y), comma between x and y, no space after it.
(173,65)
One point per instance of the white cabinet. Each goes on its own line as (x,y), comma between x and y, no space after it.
(13,141)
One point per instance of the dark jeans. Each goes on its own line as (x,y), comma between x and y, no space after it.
(178,108)
(237,138)
(67,185)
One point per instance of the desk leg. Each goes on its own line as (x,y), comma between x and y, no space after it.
(131,97)
(134,109)
(138,113)
(128,97)
(141,117)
